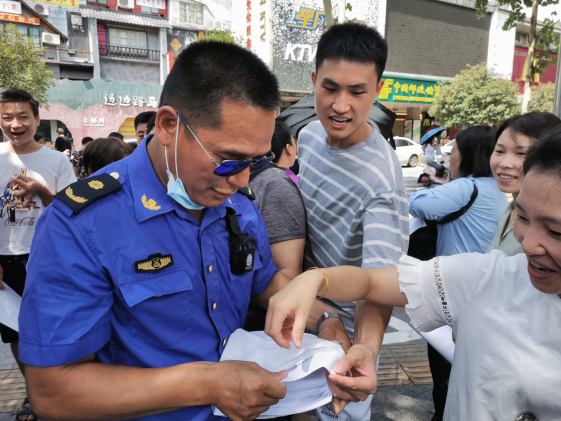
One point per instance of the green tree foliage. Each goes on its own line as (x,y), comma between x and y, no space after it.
(475,96)
(542,97)
(543,41)
(21,66)
(222,36)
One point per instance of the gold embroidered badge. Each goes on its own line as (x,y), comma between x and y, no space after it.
(249,190)
(154,263)
(95,184)
(70,194)
(115,175)
(150,204)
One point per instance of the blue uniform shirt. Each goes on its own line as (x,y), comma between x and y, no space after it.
(83,295)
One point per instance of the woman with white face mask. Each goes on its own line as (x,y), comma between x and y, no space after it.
(505,311)
(512,141)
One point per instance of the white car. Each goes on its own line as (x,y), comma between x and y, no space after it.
(408,152)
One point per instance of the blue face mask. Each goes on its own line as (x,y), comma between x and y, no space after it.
(176,190)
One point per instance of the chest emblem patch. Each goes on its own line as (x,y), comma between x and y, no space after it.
(154,263)
(150,204)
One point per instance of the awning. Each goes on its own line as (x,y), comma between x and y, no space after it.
(123,17)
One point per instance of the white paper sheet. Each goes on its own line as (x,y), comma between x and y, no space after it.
(10,303)
(306,384)
(441,340)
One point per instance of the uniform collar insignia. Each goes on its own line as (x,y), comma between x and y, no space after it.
(150,204)
(153,263)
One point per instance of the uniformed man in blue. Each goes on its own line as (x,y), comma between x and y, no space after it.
(139,274)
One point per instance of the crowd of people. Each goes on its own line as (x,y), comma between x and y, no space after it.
(136,265)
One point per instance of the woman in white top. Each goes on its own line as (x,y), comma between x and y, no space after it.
(507,360)
(428,155)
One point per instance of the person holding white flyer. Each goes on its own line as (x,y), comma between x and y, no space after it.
(505,311)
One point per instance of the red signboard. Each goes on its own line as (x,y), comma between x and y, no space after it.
(19,19)
(169,61)
(520,54)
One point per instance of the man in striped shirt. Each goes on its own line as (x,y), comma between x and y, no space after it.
(352,187)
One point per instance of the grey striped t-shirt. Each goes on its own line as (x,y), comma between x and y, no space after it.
(356,207)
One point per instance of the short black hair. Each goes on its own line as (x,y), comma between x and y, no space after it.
(60,130)
(37,137)
(531,125)
(281,138)
(207,73)
(143,118)
(150,125)
(117,135)
(545,155)
(476,145)
(86,140)
(103,151)
(10,95)
(353,42)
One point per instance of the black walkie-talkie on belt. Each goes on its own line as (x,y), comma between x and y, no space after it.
(242,246)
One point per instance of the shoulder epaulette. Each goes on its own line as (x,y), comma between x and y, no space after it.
(80,194)
(246,191)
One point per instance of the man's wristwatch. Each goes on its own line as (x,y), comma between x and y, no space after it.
(327,315)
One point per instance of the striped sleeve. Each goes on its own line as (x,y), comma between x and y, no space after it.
(385,230)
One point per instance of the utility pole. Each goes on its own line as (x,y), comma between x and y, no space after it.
(557,99)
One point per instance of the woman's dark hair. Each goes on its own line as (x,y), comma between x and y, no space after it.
(545,155)
(103,151)
(476,145)
(281,138)
(531,125)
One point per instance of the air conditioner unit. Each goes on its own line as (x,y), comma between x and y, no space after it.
(126,4)
(42,9)
(50,38)
(219,25)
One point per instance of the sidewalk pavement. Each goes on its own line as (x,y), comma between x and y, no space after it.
(404,386)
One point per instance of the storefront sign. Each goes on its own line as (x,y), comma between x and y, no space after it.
(169,62)
(400,89)
(10,7)
(156,4)
(94,122)
(125,101)
(19,19)
(298,25)
(68,3)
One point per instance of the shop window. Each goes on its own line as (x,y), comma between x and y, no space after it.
(149,10)
(98,2)
(127,42)
(32,32)
(191,13)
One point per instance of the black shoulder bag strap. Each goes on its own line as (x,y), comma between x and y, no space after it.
(455,215)
(260,170)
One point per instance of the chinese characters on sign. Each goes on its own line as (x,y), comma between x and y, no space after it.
(157,4)
(19,19)
(94,122)
(137,101)
(248,18)
(263,20)
(308,19)
(414,90)
(10,7)
(68,3)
